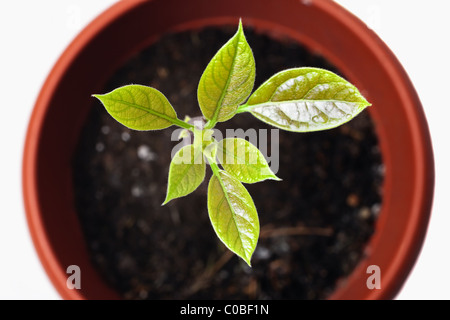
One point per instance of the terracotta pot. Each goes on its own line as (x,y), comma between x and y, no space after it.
(323,26)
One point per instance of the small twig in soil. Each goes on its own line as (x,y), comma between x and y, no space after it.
(201,281)
(269,232)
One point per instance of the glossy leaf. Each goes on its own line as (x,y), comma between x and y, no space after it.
(243,160)
(306,99)
(228,79)
(186,172)
(139,107)
(233,215)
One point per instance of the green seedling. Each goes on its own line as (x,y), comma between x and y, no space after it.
(297,100)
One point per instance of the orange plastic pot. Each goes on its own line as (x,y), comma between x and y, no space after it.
(323,26)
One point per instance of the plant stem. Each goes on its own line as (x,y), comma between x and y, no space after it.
(214,167)
(242,108)
(182,124)
(212,163)
(210,124)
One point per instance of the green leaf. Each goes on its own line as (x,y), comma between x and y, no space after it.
(227,80)
(233,215)
(306,99)
(243,160)
(139,107)
(186,172)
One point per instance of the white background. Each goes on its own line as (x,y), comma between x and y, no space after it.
(34,33)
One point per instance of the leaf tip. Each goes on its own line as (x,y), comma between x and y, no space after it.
(169,196)
(100,97)
(364,103)
(240,31)
(274,177)
(248,259)
(167,200)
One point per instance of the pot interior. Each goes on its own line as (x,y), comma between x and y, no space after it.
(315,224)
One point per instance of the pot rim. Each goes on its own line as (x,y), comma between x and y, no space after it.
(423,188)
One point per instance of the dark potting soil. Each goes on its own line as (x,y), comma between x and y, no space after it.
(314,224)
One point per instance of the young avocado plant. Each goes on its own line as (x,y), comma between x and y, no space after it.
(298,100)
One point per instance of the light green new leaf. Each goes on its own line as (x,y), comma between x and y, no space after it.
(139,107)
(233,215)
(243,160)
(227,80)
(306,99)
(186,172)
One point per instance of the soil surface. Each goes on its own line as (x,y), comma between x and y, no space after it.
(314,224)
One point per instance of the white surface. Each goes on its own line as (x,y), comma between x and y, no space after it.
(34,33)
